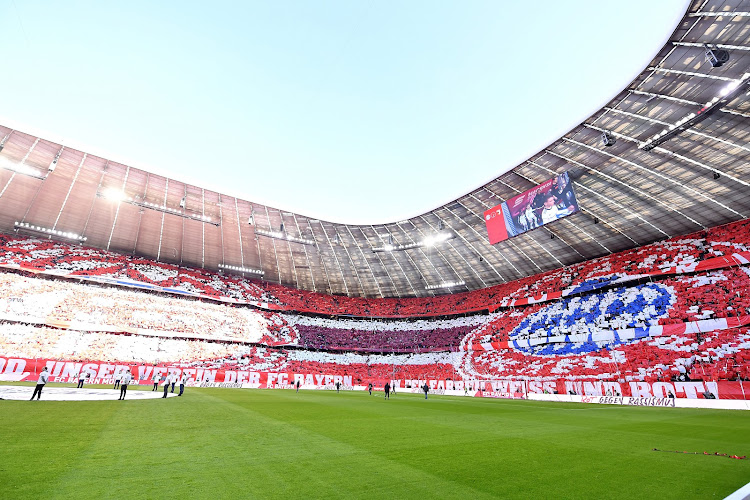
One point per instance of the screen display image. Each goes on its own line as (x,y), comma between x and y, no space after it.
(545,203)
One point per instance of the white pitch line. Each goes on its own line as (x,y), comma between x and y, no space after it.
(20,393)
(741,494)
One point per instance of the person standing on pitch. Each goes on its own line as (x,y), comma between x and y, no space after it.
(369,388)
(387,389)
(155,379)
(118,376)
(183,381)
(81,378)
(124,384)
(297,385)
(174,381)
(426,389)
(166,380)
(338,386)
(43,378)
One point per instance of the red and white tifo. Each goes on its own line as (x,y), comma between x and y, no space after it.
(23,392)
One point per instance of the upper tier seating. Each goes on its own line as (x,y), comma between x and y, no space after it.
(678,254)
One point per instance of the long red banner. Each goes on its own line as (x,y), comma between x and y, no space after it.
(23,369)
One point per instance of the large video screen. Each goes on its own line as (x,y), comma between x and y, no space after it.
(547,202)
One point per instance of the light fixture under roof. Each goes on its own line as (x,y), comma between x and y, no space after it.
(279,235)
(428,241)
(21,169)
(241,269)
(716,57)
(53,165)
(726,95)
(46,231)
(434,239)
(115,194)
(445,284)
(118,195)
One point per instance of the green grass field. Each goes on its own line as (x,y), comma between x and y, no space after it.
(234,443)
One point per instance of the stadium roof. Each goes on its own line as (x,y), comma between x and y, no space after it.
(631,193)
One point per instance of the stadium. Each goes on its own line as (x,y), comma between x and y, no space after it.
(578,327)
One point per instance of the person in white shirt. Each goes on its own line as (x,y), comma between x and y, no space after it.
(155,379)
(183,381)
(43,378)
(81,378)
(550,212)
(166,381)
(118,377)
(124,384)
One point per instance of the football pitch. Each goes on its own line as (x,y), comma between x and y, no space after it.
(235,443)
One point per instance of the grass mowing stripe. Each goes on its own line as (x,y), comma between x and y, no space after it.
(362,468)
(229,443)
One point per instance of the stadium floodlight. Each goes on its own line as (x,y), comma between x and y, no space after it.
(20,168)
(436,238)
(445,284)
(53,165)
(241,269)
(115,194)
(726,95)
(716,57)
(2,143)
(427,242)
(118,195)
(284,236)
(730,87)
(56,233)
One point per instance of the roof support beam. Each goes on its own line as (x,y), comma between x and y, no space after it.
(690,131)
(273,242)
(408,255)
(639,191)
(353,267)
(67,195)
(663,150)
(659,175)
(319,254)
(602,220)
(690,73)
(374,279)
(460,254)
(403,272)
(338,264)
(614,181)
(304,249)
(163,215)
(719,14)
(13,175)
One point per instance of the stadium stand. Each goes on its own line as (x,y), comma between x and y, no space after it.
(676,310)
(711,248)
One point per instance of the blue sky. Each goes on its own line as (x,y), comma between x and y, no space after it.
(352,112)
